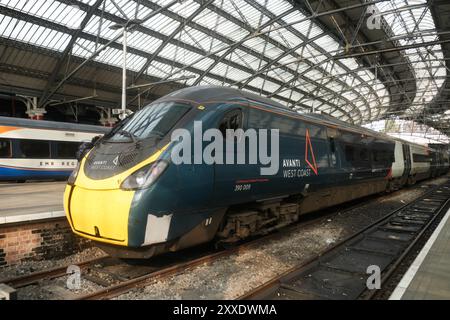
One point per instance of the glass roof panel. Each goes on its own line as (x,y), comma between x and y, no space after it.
(404,21)
(69,16)
(26,32)
(222,38)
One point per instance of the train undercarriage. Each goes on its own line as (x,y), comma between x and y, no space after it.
(264,217)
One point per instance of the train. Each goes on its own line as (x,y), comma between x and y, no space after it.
(134,201)
(41,150)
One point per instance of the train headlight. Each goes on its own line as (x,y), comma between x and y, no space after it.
(74,174)
(144,177)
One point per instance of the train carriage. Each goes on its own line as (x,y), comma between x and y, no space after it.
(129,196)
(42,150)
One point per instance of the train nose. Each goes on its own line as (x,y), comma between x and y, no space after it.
(100,215)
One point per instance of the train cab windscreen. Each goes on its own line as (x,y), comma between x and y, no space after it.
(154,120)
(134,141)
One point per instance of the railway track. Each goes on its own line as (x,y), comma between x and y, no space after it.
(126,286)
(36,277)
(116,277)
(341,272)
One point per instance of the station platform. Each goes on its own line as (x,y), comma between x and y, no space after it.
(428,278)
(31,201)
(33,225)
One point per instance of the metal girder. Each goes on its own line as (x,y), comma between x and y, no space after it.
(276,24)
(357,32)
(328,55)
(149,32)
(54,54)
(39,74)
(109,43)
(172,36)
(245,49)
(273,63)
(440,12)
(117,46)
(307,40)
(354,55)
(66,53)
(160,59)
(238,45)
(173,15)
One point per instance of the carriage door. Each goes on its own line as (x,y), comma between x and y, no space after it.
(228,176)
(335,172)
(407,161)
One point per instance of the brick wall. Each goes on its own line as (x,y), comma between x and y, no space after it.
(38,241)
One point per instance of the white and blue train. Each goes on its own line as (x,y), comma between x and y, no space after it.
(41,150)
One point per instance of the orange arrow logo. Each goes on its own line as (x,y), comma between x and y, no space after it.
(309,149)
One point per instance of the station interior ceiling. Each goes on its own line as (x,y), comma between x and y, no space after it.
(357,60)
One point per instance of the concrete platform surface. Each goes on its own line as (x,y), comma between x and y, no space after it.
(428,278)
(31,201)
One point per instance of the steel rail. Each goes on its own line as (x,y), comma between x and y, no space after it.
(392,269)
(124,287)
(172,269)
(274,284)
(57,272)
(29,279)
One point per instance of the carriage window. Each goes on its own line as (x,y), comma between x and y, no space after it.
(382,156)
(5,148)
(364,154)
(349,153)
(232,120)
(235,122)
(66,150)
(34,149)
(421,158)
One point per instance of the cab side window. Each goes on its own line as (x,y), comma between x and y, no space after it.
(232,120)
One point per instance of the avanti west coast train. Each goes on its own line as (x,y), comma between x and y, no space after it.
(134,202)
(41,150)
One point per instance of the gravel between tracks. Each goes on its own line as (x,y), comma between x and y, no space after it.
(27,267)
(235,275)
(231,276)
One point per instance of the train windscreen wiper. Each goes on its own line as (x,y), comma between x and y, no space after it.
(128,134)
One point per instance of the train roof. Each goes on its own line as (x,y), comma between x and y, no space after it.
(205,94)
(52,125)
(365,130)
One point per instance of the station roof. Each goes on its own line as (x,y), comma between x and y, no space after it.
(320,55)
